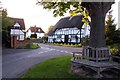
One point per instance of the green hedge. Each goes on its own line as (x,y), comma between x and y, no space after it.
(33,36)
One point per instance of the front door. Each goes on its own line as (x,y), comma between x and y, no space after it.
(66,38)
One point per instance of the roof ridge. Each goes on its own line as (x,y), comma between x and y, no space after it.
(16,18)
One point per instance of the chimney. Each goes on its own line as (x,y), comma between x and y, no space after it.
(35,29)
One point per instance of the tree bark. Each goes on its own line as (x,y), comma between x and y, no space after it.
(97,33)
(97,12)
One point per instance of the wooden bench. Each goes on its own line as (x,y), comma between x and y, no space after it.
(98,63)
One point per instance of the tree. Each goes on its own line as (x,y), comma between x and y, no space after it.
(110,32)
(96,10)
(0,15)
(1,8)
(6,23)
(50,28)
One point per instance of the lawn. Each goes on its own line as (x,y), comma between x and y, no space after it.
(53,68)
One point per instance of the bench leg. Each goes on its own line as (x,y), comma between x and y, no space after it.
(75,66)
(98,73)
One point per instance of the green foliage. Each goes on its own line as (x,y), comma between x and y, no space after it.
(50,28)
(6,25)
(112,35)
(67,45)
(52,68)
(33,36)
(45,39)
(114,49)
(115,52)
(85,41)
(6,21)
(31,46)
(59,8)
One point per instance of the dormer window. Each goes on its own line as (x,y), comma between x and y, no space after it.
(39,30)
(16,26)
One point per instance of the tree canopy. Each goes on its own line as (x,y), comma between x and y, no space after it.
(59,8)
(6,21)
(50,28)
(6,25)
(112,35)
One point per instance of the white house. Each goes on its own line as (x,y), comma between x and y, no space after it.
(35,30)
(18,28)
(69,30)
(16,31)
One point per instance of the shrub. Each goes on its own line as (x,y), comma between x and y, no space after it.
(115,52)
(31,46)
(114,49)
(33,36)
(85,41)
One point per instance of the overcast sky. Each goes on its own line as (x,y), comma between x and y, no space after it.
(36,15)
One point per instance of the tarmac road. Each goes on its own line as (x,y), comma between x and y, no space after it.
(17,61)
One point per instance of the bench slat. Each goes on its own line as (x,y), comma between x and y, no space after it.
(96,64)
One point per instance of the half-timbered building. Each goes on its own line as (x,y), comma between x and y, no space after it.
(69,30)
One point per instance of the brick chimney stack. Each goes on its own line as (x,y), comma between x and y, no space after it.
(35,29)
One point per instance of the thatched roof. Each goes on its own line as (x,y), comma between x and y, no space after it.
(20,21)
(69,22)
(50,33)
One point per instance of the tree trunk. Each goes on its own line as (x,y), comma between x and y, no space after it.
(97,33)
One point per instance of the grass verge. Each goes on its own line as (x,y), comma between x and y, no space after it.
(31,46)
(66,45)
(53,68)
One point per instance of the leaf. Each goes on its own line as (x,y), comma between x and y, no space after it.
(54,11)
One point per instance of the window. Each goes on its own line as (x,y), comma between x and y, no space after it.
(39,30)
(59,36)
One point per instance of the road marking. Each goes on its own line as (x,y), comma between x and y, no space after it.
(51,49)
(61,51)
(57,50)
(42,52)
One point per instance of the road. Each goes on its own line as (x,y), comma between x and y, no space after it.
(17,61)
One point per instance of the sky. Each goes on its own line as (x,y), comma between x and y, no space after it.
(36,15)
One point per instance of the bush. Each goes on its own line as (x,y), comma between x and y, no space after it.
(114,49)
(28,38)
(33,36)
(67,45)
(31,46)
(115,52)
(85,41)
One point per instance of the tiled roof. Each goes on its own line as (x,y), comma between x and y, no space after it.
(20,21)
(36,29)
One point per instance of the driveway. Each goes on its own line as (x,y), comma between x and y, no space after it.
(17,61)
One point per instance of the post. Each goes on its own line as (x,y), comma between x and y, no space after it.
(80,36)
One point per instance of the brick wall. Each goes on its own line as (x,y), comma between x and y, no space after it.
(21,43)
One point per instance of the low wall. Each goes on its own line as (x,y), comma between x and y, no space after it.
(21,43)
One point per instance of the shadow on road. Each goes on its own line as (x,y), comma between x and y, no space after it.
(6,51)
